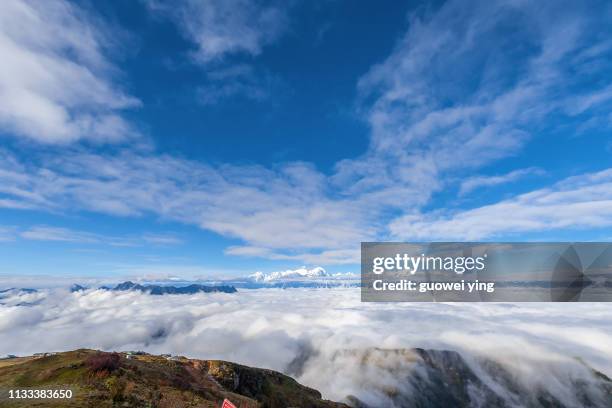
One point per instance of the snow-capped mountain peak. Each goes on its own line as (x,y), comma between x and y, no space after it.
(300,273)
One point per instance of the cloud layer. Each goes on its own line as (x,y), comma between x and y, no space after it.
(327,330)
(290,213)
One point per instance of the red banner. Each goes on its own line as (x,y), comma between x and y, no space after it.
(227,404)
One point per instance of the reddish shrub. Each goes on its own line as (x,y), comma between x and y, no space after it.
(103,362)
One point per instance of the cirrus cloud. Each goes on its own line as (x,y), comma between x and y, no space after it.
(226,27)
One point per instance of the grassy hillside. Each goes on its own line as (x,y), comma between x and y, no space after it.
(100,379)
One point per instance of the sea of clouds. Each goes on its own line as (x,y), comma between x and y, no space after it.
(307,333)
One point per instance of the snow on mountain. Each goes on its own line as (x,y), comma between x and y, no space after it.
(300,273)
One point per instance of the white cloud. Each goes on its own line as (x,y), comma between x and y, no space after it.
(431,126)
(476,182)
(60,234)
(325,257)
(582,103)
(44,233)
(578,202)
(285,208)
(331,331)
(286,213)
(457,94)
(55,80)
(225,27)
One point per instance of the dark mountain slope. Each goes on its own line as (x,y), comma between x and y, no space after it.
(443,378)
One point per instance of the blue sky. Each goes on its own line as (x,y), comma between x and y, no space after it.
(219,138)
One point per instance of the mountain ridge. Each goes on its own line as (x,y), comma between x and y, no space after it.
(137,379)
(153,289)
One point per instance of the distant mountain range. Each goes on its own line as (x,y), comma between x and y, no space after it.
(303,277)
(164,289)
(11,290)
(297,278)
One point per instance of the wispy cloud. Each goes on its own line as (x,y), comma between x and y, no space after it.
(454,96)
(324,257)
(235,81)
(476,182)
(220,28)
(223,32)
(43,233)
(578,202)
(56,83)
(160,239)
(59,234)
